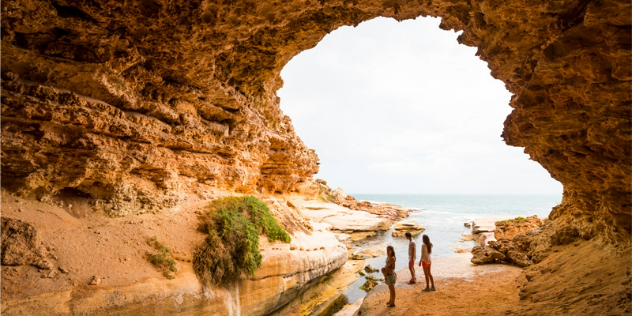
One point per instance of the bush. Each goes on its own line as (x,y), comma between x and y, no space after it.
(520,218)
(162,259)
(233,225)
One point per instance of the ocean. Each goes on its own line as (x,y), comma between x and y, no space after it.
(443,217)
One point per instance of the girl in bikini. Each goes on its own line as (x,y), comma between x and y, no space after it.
(426,261)
(390,277)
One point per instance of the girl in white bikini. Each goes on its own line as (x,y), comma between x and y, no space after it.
(426,261)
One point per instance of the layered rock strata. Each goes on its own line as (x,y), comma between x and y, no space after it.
(133,104)
(60,256)
(145,106)
(338,196)
(401,228)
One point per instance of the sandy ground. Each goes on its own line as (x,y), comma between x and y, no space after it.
(459,284)
(583,278)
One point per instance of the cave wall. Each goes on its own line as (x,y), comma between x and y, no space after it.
(138,103)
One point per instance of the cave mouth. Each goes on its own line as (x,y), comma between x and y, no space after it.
(401,107)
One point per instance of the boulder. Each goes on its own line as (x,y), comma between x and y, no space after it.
(378,250)
(521,242)
(518,258)
(370,269)
(502,246)
(401,228)
(481,255)
(507,229)
(21,246)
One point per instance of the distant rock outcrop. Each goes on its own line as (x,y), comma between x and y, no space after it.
(401,228)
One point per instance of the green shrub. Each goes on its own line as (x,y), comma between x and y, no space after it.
(162,259)
(233,226)
(510,220)
(520,218)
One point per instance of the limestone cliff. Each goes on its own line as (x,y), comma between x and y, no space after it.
(147,105)
(134,104)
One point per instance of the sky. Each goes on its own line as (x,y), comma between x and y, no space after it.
(402,108)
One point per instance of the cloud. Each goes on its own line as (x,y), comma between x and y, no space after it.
(403,108)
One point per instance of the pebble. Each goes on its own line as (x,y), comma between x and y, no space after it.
(95,280)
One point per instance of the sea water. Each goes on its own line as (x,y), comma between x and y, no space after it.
(443,217)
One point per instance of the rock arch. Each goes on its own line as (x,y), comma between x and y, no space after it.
(138,105)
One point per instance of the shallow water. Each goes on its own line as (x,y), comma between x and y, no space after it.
(443,217)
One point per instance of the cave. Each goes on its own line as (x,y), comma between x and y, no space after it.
(186,92)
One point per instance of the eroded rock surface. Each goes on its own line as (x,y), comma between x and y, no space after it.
(507,229)
(134,104)
(401,228)
(138,106)
(21,245)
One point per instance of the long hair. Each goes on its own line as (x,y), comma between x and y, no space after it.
(392,250)
(427,242)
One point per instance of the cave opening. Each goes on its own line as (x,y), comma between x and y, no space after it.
(402,108)
(400,112)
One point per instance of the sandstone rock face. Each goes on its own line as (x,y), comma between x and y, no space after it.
(342,219)
(486,254)
(401,228)
(104,259)
(517,250)
(134,104)
(374,251)
(21,246)
(338,196)
(507,229)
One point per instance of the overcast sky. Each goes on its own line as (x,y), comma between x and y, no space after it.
(403,108)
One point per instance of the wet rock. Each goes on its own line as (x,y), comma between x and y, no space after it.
(378,250)
(370,269)
(370,283)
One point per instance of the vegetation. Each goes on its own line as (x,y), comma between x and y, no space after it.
(233,226)
(520,218)
(370,283)
(324,193)
(162,259)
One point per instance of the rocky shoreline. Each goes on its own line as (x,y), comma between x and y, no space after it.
(58,252)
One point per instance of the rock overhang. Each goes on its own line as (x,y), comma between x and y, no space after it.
(138,104)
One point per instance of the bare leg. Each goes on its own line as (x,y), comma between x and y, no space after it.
(431,278)
(412,273)
(391,288)
(427,275)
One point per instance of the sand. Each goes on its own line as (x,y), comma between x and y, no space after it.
(460,285)
(587,277)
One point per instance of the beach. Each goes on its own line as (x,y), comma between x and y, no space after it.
(462,288)
(459,283)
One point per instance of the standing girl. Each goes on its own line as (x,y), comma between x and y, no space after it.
(390,277)
(425,262)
